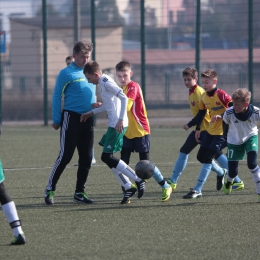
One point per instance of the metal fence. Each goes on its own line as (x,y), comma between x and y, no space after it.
(159,38)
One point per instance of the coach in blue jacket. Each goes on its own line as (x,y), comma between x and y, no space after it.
(79,96)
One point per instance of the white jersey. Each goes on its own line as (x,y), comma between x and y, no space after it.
(114,101)
(240,131)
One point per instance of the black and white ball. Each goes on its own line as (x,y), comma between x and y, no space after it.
(144,169)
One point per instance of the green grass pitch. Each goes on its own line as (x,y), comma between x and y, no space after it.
(216,226)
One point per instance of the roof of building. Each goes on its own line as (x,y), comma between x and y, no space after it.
(64,22)
(165,56)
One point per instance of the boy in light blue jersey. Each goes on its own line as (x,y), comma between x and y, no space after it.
(79,96)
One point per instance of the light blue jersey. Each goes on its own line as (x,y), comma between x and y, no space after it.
(78,93)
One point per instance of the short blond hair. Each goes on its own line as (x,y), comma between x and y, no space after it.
(210,74)
(241,95)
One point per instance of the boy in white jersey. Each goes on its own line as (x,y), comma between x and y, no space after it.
(242,137)
(114,103)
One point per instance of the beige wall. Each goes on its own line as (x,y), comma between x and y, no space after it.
(26,51)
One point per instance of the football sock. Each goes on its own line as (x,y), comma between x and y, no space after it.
(159,178)
(256,177)
(11,216)
(215,168)
(179,166)
(203,175)
(230,179)
(126,170)
(123,180)
(222,160)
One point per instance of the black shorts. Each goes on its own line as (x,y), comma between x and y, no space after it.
(191,142)
(138,144)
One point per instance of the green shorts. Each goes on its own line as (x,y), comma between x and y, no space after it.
(2,176)
(112,141)
(237,152)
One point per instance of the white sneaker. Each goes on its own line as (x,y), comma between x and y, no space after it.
(193,194)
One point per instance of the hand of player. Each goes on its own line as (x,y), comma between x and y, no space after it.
(197,136)
(119,126)
(215,118)
(84,117)
(186,127)
(96,105)
(55,126)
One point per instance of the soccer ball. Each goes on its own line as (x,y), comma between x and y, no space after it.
(144,169)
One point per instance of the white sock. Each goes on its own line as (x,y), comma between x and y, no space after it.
(126,170)
(11,215)
(256,177)
(123,180)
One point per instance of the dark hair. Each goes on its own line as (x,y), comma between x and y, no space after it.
(123,66)
(211,74)
(82,46)
(190,72)
(91,67)
(68,60)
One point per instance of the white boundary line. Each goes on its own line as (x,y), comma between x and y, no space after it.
(102,165)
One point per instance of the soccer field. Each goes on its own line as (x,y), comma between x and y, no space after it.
(216,226)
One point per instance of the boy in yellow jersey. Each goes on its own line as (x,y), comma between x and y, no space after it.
(216,102)
(190,77)
(137,136)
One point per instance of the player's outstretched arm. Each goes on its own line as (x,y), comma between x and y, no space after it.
(186,127)
(215,118)
(120,126)
(84,117)
(96,105)
(197,136)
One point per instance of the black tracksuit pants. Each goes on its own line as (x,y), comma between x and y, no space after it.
(74,133)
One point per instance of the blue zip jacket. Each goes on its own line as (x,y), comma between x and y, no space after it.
(78,93)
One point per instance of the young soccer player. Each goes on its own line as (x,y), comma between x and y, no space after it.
(190,77)
(242,137)
(137,135)
(10,212)
(68,60)
(115,104)
(216,101)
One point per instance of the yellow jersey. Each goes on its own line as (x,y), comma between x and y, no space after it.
(195,95)
(138,123)
(216,105)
